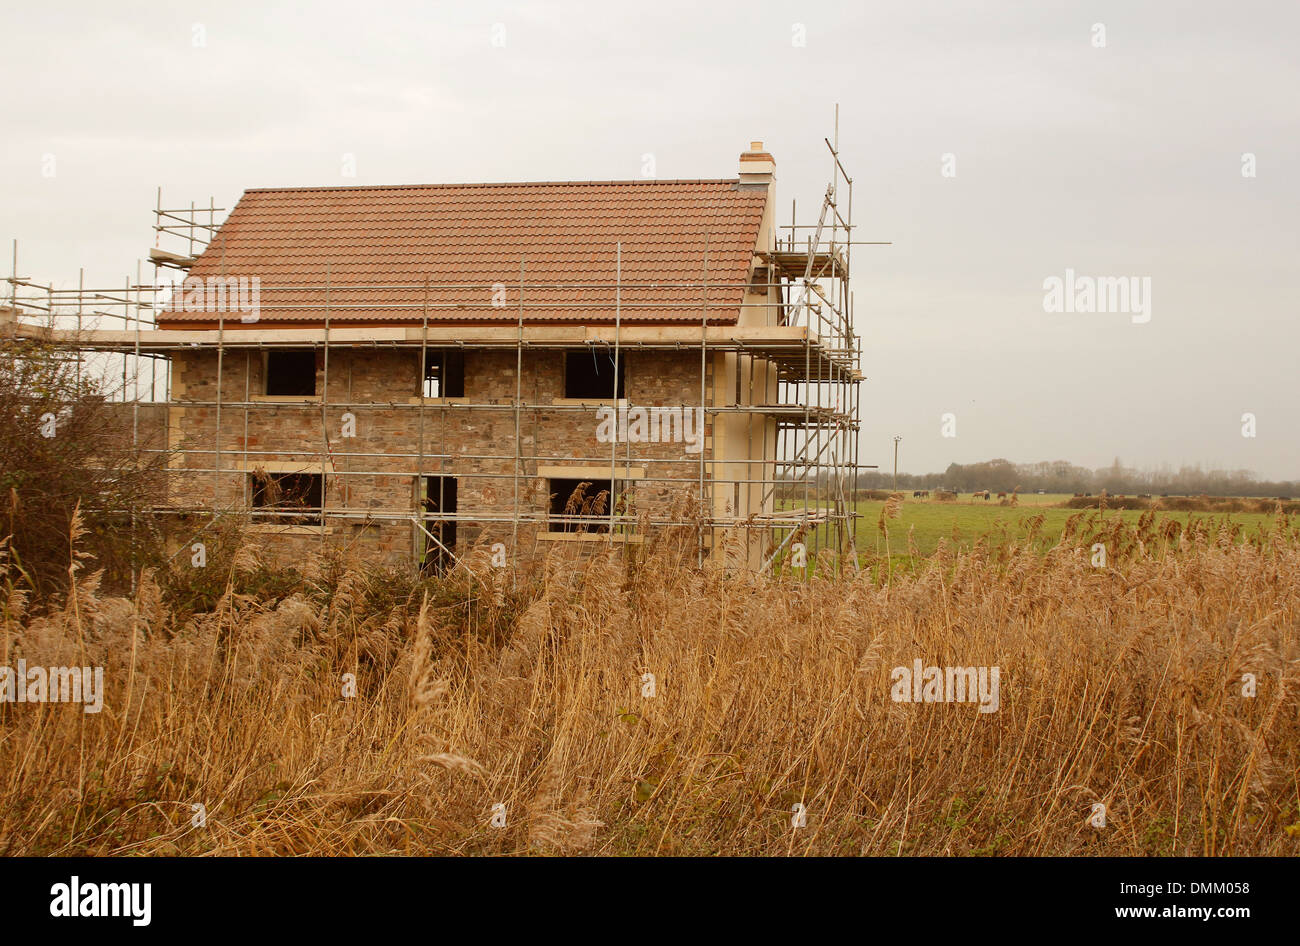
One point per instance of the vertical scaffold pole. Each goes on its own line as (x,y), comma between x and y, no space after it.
(703,415)
(618,322)
(519,393)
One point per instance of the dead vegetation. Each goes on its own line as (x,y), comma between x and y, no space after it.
(66,444)
(1120,686)
(1214,504)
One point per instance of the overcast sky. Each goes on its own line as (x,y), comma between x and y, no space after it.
(1117,160)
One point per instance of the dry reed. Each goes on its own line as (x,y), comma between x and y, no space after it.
(1119,686)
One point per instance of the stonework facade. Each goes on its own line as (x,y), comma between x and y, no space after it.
(382,439)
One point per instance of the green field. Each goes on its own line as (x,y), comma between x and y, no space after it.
(965,521)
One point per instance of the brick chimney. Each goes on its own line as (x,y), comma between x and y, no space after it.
(757,167)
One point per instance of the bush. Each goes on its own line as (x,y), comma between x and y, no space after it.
(65,444)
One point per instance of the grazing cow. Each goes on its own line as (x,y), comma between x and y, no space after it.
(1002,495)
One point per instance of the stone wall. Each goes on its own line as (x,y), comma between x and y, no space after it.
(374,473)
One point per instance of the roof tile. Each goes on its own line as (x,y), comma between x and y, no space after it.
(376,247)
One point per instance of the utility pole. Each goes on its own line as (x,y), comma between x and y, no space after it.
(896,440)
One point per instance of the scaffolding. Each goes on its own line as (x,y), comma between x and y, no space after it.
(801,333)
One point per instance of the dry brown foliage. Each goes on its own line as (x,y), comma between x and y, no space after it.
(1120,685)
(67,445)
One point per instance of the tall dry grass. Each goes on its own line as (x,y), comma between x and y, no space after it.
(1119,686)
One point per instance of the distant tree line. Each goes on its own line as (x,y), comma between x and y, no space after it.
(1060,476)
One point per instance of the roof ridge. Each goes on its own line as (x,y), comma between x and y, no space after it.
(371,187)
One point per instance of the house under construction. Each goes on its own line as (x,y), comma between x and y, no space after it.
(414,370)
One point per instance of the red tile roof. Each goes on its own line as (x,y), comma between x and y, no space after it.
(364,241)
